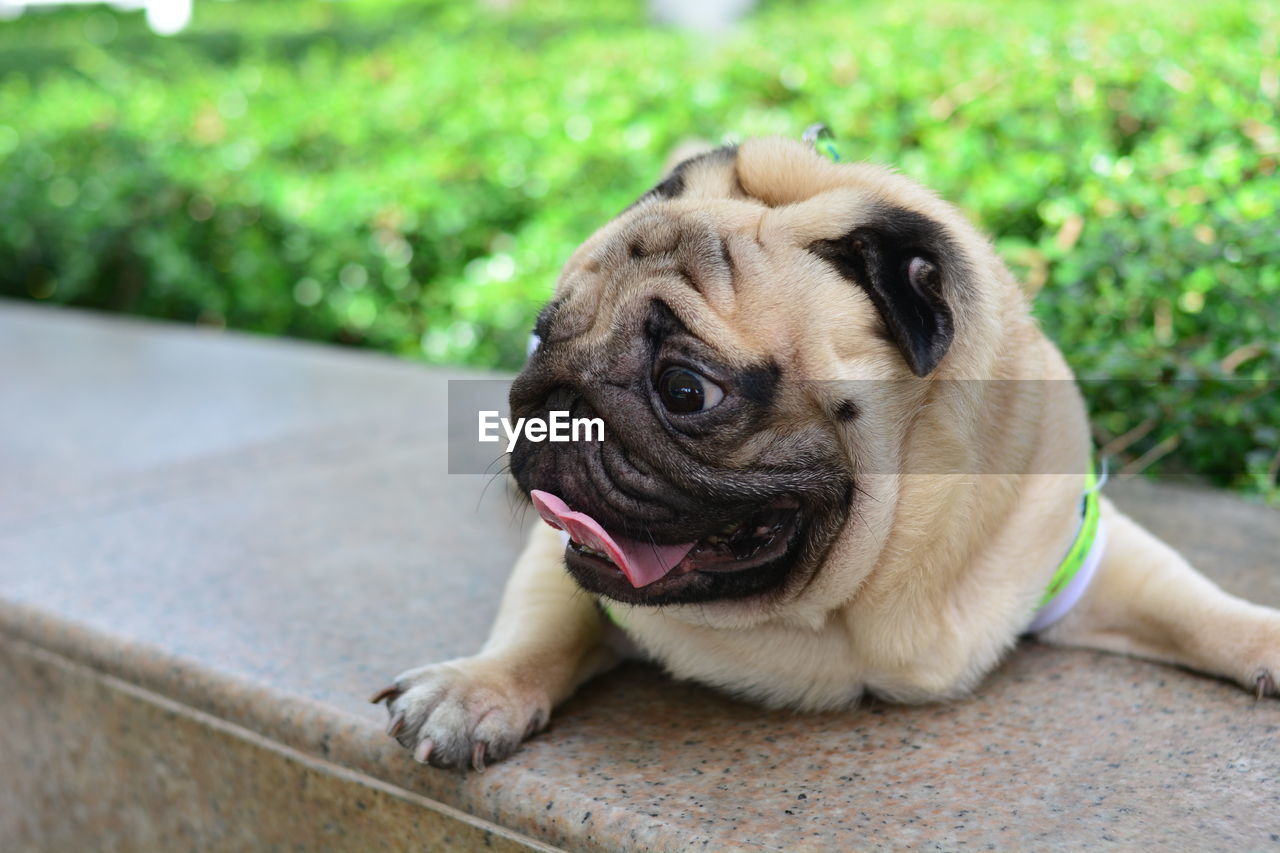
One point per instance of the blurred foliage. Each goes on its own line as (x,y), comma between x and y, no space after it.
(410,174)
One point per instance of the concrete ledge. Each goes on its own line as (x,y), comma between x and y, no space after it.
(109,765)
(212,547)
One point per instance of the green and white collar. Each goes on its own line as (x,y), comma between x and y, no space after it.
(1081,563)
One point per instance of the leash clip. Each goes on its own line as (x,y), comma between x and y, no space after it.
(819,131)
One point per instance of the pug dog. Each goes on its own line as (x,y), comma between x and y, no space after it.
(841,459)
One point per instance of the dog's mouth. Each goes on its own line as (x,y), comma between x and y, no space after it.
(763,536)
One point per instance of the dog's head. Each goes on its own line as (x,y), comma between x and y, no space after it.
(721,328)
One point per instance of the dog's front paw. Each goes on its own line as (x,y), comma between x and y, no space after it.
(465,712)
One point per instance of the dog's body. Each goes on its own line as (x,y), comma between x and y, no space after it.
(874,399)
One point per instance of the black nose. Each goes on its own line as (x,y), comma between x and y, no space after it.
(530,390)
(562,398)
(533,395)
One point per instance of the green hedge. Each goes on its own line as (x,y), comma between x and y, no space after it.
(410,175)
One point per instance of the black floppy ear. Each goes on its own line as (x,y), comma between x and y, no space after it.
(902,259)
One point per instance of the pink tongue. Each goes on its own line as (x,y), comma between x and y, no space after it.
(642,562)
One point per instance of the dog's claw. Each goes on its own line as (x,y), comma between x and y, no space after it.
(463,714)
(384,693)
(1265,683)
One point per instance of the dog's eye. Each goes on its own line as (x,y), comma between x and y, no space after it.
(684,392)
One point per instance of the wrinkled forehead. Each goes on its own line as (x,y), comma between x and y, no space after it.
(696,242)
(692,215)
(701,261)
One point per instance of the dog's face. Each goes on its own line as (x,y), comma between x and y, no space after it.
(714,327)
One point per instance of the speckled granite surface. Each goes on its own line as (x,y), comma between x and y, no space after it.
(262,532)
